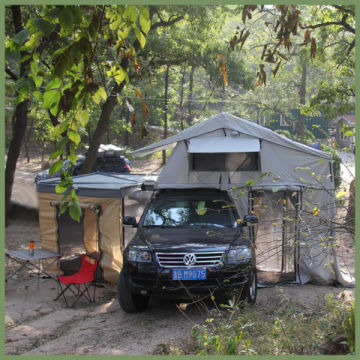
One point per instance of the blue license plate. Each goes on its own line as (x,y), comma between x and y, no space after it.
(189,274)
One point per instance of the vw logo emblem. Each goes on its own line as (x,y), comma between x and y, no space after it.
(189,259)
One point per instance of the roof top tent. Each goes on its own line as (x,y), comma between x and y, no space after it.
(100,232)
(290,186)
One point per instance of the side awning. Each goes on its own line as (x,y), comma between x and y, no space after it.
(224,144)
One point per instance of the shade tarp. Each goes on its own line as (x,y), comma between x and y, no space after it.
(223,145)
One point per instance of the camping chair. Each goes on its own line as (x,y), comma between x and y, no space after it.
(80,282)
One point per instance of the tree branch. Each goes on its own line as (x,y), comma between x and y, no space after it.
(342,23)
(166,23)
(11,74)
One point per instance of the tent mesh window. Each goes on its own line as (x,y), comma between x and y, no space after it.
(70,242)
(277,236)
(224,161)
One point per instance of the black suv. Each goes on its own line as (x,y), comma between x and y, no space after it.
(188,242)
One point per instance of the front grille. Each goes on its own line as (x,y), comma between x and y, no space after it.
(203,259)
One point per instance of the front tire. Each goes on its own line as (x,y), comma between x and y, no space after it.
(251,289)
(130,302)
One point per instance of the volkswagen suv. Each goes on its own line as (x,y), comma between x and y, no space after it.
(188,242)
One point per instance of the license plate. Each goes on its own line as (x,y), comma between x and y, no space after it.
(189,274)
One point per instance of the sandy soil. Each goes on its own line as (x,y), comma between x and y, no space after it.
(35,324)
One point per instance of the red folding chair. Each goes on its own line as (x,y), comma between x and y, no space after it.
(80,282)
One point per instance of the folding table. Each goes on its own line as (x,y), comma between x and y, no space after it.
(31,262)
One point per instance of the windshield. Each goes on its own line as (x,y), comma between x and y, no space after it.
(185,212)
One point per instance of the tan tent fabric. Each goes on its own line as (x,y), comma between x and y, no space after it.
(90,231)
(48,225)
(110,230)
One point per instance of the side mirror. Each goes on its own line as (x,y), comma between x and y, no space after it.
(130,220)
(250,220)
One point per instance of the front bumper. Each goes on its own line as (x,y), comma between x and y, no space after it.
(146,277)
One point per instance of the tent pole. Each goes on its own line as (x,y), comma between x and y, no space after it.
(299,199)
(122,225)
(283,231)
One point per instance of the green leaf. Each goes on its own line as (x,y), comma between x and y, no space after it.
(77,15)
(54,84)
(24,58)
(275,189)
(144,20)
(37,94)
(56,154)
(66,19)
(75,210)
(61,187)
(62,143)
(74,195)
(26,86)
(21,37)
(130,14)
(120,75)
(74,137)
(140,36)
(59,129)
(54,109)
(51,97)
(38,80)
(43,25)
(55,167)
(123,33)
(72,158)
(100,94)
(341,194)
(349,133)
(249,183)
(63,207)
(82,117)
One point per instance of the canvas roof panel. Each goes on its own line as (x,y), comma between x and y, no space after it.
(223,145)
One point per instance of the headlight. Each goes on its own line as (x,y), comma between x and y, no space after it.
(240,254)
(139,255)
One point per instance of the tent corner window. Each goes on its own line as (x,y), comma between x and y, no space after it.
(248,161)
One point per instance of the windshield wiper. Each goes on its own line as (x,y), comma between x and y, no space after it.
(159,226)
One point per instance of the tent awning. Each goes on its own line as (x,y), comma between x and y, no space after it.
(223,145)
(100,184)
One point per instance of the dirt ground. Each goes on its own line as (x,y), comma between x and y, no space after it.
(36,324)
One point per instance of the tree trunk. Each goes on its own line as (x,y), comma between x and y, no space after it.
(302,101)
(14,150)
(126,135)
(166,112)
(350,215)
(181,106)
(190,97)
(101,129)
(20,123)
(104,121)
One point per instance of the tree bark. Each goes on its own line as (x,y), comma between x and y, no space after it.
(350,215)
(166,111)
(190,97)
(20,122)
(302,101)
(102,128)
(181,106)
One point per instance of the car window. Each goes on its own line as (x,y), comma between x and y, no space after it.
(190,212)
